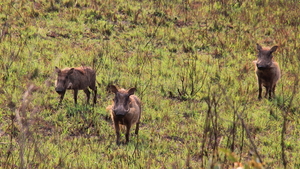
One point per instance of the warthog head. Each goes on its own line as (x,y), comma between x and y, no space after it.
(63,81)
(121,101)
(265,57)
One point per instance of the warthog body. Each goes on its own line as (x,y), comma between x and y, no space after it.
(267,71)
(125,110)
(79,78)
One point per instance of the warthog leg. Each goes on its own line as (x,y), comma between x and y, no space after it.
(267,92)
(95,95)
(128,126)
(75,95)
(137,128)
(94,88)
(62,97)
(88,93)
(270,92)
(259,89)
(273,90)
(117,128)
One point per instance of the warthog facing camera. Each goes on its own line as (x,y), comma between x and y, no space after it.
(267,71)
(125,110)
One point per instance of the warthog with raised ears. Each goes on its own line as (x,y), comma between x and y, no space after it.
(79,78)
(125,110)
(267,71)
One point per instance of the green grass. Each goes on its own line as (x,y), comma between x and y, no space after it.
(191,62)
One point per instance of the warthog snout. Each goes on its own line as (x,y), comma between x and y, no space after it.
(120,112)
(60,90)
(261,67)
(264,62)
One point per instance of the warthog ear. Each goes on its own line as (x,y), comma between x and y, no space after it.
(273,49)
(57,70)
(258,47)
(70,71)
(113,88)
(131,91)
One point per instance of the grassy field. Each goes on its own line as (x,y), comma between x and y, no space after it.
(191,62)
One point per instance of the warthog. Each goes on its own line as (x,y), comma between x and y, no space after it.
(125,110)
(267,71)
(79,78)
